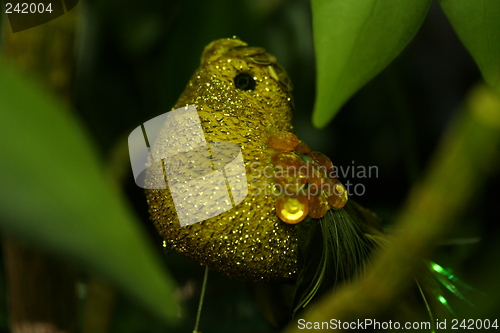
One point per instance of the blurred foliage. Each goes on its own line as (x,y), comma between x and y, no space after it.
(478,26)
(355,41)
(65,210)
(135,59)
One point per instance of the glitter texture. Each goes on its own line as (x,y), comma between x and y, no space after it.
(249,242)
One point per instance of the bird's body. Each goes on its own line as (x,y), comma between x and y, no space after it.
(248,242)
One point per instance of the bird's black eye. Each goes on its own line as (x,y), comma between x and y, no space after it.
(244,81)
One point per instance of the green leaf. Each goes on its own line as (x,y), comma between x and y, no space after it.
(477,24)
(55,193)
(354,41)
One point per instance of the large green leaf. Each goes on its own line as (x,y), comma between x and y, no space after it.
(477,24)
(355,40)
(55,193)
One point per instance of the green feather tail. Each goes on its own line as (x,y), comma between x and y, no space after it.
(336,248)
(331,249)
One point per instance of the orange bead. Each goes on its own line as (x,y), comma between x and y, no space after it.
(283,141)
(318,206)
(289,182)
(286,161)
(322,160)
(292,209)
(316,175)
(329,186)
(303,148)
(339,199)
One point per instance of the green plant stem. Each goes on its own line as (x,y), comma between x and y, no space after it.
(200,304)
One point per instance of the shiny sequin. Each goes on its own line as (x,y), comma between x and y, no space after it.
(303,148)
(286,160)
(283,141)
(339,197)
(315,178)
(292,209)
(318,205)
(316,175)
(289,181)
(322,160)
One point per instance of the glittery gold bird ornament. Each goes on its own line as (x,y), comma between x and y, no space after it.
(242,96)
(296,222)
